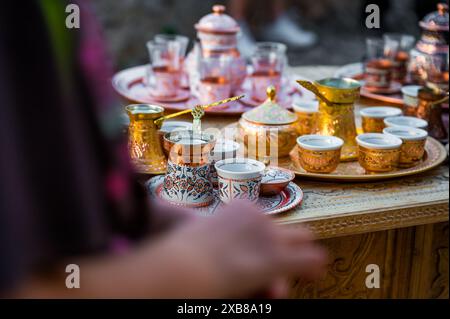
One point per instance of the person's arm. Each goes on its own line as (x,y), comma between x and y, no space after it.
(163,269)
(237,253)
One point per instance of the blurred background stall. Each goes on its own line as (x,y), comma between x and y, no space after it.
(320,26)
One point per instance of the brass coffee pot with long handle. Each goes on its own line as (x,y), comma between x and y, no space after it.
(144,143)
(336,115)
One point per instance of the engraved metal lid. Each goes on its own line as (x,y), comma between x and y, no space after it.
(217,22)
(437,20)
(270,112)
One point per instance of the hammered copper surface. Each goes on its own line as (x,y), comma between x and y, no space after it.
(144,143)
(374,160)
(411,153)
(305,122)
(338,120)
(372,125)
(318,161)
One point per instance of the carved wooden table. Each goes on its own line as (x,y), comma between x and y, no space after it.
(399,225)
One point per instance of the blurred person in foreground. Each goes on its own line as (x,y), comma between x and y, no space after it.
(67,195)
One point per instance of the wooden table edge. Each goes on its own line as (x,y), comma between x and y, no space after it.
(374,220)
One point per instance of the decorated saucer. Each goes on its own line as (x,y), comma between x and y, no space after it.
(290,197)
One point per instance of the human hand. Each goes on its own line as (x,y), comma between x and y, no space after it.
(241,252)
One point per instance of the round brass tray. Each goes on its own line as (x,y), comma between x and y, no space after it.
(353,172)
(435,155)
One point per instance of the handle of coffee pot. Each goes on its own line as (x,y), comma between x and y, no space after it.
(311,87)
(440,101)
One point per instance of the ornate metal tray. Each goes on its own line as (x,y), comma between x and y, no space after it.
(352,171)
(129,84)
(435,154)
(289,198)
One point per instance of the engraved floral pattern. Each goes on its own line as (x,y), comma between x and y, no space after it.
(187,185)
(230,189)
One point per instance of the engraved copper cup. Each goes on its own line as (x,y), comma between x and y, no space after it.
(373,117)
(188,178)
(378,153)
(413,147)
(319,154)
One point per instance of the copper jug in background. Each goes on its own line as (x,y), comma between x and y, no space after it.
(430,109)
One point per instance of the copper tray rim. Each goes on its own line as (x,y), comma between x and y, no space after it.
(375,177)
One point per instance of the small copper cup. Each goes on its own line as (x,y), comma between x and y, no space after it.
(413,147)
(410,99)
(187,181)
(319,153)
(306,115)
(373,118)
(378,153)
(169,127)
(410,121)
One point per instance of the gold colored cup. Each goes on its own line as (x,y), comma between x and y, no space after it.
(372,125)
(413,147)
(373,117)
(378,153)
(319,154)
(306,116)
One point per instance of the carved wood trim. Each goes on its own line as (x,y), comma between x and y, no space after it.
(364,222)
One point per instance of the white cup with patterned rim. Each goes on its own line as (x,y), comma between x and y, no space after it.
(410,121)
(239,179)
(223,149)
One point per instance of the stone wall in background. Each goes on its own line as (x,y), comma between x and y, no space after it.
(128,24)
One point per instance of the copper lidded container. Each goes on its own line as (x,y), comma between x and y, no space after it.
(217,32)
(269,130)
(430,110)
(433,43)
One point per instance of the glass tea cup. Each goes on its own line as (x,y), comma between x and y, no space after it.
(184,42)
(379,63)
(164,73)
(397,47)
(268,62)
(215,79)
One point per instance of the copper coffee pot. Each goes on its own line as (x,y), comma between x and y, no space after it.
(430,109)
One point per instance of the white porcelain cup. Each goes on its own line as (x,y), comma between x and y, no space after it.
(377,152)
(410,98)
(406,121)
(380,112)
(378,141)
(239,178)
(373,117)
(223,149)
(413,147)
(319,153)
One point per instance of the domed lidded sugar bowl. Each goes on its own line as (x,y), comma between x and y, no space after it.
(217,32)
(269,130)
